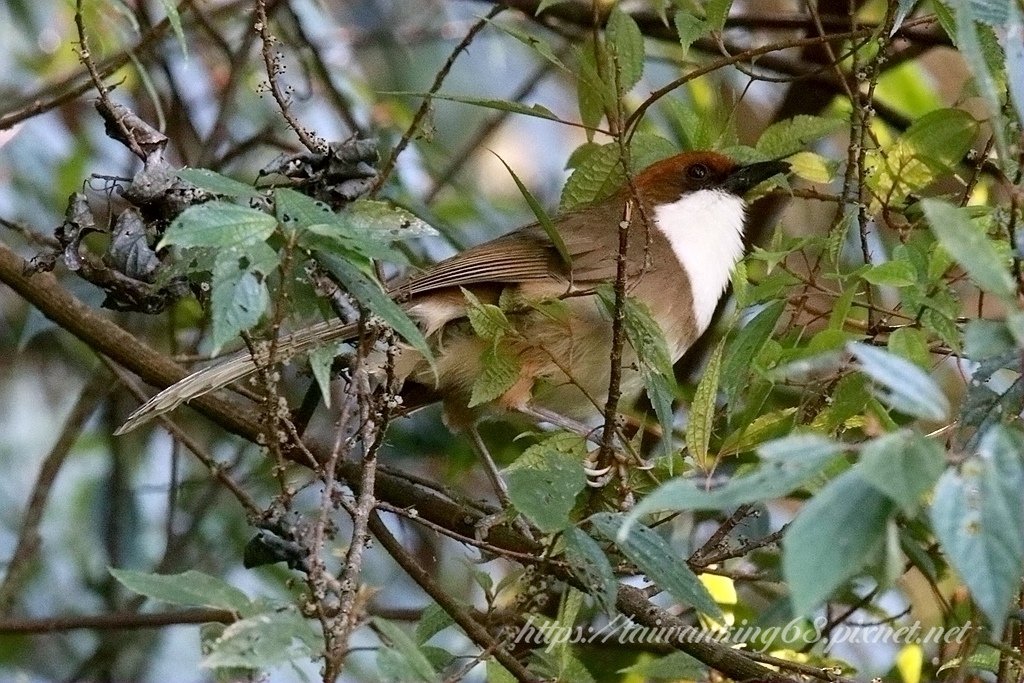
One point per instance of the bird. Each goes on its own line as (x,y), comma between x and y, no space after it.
(687,217)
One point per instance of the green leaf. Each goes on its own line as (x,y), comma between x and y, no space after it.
(372,218)
(543,482)
(534,110)
(271,638)
(487,320)
(891,274)
(787,464)
(626,45)
(717,11)
(591,566)
(215,183)
(912,344)
(967,242)
(499,371)
(369,293)
(190,588)
(1014,47)
(702,409)
(834,536)
(541,215)
(646,338)
(238,297)
(742,349)
(970,43)
(592,92)
(976,515)
(403,654)
(533,42)
(601,174)
(655,558)
(689,28)
(987,338)
(903,466)
(320,361)
(907,388)
(218,224)
(794,135)
(673,667)
(433,620)
(364,230)
(174,19)
(933,145)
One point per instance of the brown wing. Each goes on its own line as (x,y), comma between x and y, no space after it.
(525,255)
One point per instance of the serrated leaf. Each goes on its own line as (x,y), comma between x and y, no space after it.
(499,371)
(702,409)
(646,338)
(626,44)
(903,466)
(787,464)
(717,11)
(967,242)
(190,588)
(812,166)
(833,537)
(487,320)
(907,388)
(543,482)
(689,28)
(591,566)
(215,183)
(970,43)
(218,224)
(933,144)
(655,558)
(363,231)
(593,94)
(601,174)
(976,515)
(793,135)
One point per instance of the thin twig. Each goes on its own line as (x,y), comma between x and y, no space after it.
(417,119)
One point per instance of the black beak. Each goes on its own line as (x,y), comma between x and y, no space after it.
(747,177)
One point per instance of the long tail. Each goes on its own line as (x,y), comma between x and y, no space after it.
(234,368)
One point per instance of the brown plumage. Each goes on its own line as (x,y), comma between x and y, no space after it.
(526,266)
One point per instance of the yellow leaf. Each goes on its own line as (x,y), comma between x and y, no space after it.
(810,166)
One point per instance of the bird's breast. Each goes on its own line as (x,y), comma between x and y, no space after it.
(705,232)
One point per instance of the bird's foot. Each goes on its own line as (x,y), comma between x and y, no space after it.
(597,477)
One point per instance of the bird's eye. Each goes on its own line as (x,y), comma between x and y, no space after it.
(698,171)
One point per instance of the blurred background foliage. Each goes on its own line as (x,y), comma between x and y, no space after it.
(932,111)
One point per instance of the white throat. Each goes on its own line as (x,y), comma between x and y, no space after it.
(705,229)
